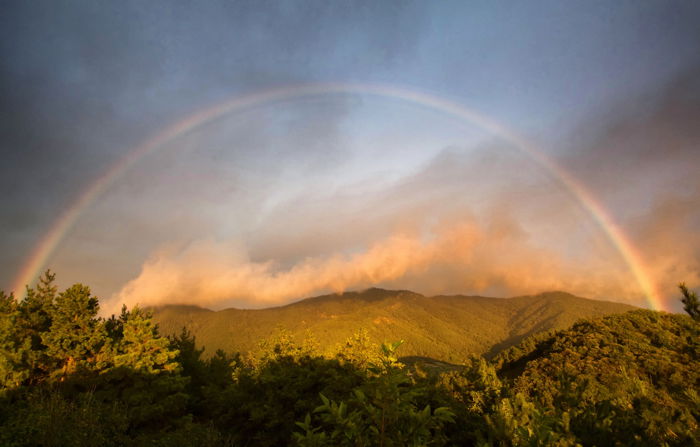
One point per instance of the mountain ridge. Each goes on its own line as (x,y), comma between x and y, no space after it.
(445,327)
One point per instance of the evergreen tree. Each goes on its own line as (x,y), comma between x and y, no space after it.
(8,303)
(46,289)
(190,359)
(13,370)
(691,304)
(37,306)
(146,375)
(32,323)
(142,348)
(76,334)
(114,326)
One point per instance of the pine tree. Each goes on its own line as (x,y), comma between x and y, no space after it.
(46,289)
(142,348)
(690,301)
(115,326)
(13,370)
(32,322)
(37,306)
(76,334)
(146,374)
(190,359)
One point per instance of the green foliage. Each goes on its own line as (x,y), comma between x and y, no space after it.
(359,351)
(279,387)
(517,421)
(71,378)
(46,418)
(447,328)
(14,349)
(141,348)
(622,378)
(476,386)
(75,336)
(208,378)
(691,304)
(57,352)
(381,411)
(140,369)
(30,321)
(37,307)
(282,346)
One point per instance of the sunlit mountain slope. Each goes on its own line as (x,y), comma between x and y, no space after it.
(442,327)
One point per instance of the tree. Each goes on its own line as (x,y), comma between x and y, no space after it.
(37,306)
(193,367)
(141,347)
(32,322)
(76,334)
(382,411)
(13,370)
(691,304)
(145,373)
(359,351)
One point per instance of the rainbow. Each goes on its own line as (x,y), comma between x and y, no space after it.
(47,245)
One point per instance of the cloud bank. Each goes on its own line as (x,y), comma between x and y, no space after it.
(494,258)
(470,221)
(475,221)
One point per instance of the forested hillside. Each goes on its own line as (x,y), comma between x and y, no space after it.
(641,368)
(444,327)
(70,378)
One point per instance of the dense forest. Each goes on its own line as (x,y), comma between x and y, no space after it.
(447,328)
(71,378)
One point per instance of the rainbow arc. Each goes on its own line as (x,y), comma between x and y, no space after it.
(43,250)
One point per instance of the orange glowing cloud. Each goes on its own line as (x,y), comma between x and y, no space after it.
(457,256)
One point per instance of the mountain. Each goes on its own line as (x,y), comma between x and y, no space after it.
(441,327)
(629,379)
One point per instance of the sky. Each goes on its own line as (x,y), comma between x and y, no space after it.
(491,148)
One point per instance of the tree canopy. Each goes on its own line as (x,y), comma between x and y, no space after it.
(71,377)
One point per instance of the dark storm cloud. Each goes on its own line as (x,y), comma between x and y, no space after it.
(642,161)
(81,82)
(658,127)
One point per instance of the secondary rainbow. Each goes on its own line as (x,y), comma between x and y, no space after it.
(47,245)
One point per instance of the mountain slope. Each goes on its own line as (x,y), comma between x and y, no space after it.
(632,379)
(443,327)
